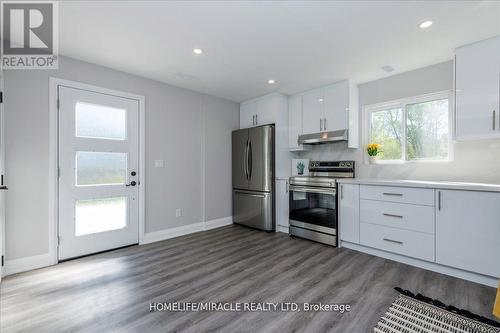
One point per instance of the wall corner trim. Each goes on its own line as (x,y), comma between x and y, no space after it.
(28,263)
(156,236)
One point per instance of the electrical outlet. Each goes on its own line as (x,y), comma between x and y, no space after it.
(178,212)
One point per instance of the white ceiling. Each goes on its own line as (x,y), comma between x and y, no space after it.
(300,44)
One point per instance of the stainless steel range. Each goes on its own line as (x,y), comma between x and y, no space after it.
(313,201)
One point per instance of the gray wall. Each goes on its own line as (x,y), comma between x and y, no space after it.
(474,161)
(219,116)
(189,130)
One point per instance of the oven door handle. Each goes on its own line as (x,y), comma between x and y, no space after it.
(312,190)
(298,183)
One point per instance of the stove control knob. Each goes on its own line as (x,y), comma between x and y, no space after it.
(348,164)
(342,164)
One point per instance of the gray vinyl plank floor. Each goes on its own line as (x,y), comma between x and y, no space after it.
(112,292)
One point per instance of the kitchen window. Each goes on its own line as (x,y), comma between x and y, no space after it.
(411,129)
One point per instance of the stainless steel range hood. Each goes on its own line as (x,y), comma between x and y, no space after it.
(324,137)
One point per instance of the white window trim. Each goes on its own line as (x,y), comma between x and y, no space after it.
(367,110)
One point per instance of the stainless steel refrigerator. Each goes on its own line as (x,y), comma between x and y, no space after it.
(253,177)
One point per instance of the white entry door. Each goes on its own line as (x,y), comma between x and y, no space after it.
(98,172)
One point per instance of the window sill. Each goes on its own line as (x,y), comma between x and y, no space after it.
(396,162)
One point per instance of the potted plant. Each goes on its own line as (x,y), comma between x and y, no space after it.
(300,168)
(373,149)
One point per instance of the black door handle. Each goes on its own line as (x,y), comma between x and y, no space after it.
(132,183)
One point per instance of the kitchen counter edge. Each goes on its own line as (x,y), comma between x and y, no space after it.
(484,187)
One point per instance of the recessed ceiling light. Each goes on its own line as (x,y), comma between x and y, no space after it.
(425,24)
(387,68)
(197,51)
(271,81)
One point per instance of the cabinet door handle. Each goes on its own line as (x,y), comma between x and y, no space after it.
(287,189)
(439,200)
(256,119)
(320,124)
(494,123)
(393,215)
(324,124)
(393,194)
(341,192)
(393,241)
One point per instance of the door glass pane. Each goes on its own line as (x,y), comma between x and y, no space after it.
(98,215)
(386,130)
(313,208)
(427,134)
(96,168)
(101,122)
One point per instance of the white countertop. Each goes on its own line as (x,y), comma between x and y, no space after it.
(423,184)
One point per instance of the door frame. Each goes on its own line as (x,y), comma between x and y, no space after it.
(54,83)
(2,171)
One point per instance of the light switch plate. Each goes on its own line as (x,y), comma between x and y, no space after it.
(159,163)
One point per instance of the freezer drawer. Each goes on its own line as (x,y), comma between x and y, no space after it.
(253,209)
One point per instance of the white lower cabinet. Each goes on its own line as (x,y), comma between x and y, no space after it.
(468,230)
(281,204)
(398,215)
(398,219)
(458,233)
(409,243)
(349,213)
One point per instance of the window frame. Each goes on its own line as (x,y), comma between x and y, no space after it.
(402,104)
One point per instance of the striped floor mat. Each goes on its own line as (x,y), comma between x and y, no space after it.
(410,315)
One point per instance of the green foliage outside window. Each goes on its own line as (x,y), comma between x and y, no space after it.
(426,134)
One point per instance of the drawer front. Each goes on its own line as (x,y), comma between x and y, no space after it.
(416,196)
(398,215)
(409,243)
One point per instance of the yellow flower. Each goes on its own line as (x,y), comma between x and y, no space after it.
(373,146)
(373,149)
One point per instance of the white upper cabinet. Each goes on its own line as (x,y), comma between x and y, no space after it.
(477,79)
(313,112)
(331,108)
(261,111)
(468,231)
(267,107)
(248,110)
(336,106)
(295,122)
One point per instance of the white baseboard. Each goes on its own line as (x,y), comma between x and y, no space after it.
(282,228)
(222,222)
(157,236)
(431,266)
(27,263)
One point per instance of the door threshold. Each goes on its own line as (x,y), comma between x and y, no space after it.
(96,253)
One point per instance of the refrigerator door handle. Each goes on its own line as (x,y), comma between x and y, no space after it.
(245,160)
(249,159)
